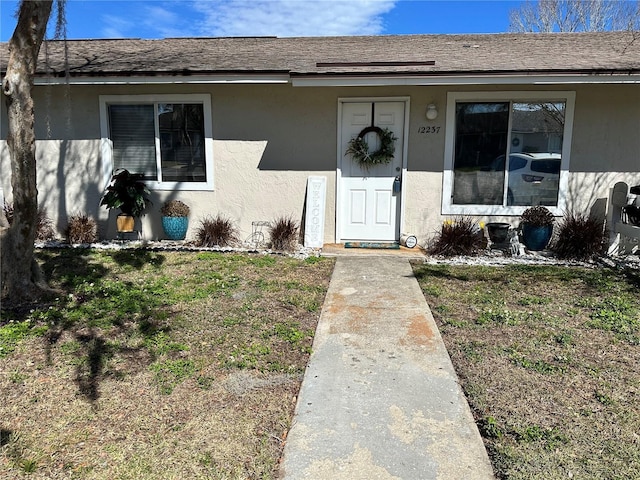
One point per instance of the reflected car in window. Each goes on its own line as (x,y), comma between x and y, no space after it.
(533,178)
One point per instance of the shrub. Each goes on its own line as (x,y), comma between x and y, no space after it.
(175,208)
(460,236)
(216,231)
(537,216)
(44,229)
(81,229)
(579,237)
(284,233)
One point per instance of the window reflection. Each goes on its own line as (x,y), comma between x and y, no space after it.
(512,144)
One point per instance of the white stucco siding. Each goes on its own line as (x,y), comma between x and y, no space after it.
(66,178)
(269,138)
(605,147)
(606,129)
(267,141)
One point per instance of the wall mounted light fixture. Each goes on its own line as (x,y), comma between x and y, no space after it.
(432,112)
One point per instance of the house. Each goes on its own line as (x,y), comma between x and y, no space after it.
(484,125)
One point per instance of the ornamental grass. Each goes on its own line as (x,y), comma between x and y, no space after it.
(460,236)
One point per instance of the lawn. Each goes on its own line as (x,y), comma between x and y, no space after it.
(157,364)
(549,359)
(173,365)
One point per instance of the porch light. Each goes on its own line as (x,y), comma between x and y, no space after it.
(432,112)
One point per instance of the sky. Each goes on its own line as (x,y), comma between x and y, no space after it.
(283,18)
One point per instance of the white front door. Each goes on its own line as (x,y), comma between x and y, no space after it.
(369,209)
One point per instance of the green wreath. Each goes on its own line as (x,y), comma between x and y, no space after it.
(358,148)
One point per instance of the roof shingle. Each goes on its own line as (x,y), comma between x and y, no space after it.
(599,53)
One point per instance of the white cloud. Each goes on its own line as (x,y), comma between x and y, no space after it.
(213,18)
(289,18)
(115,27)
(165,22)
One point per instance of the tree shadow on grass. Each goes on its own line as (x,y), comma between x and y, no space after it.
(5,437)
(633,277)
(88,373)
(96,351)
(437,271)
(137,258)
(98,313)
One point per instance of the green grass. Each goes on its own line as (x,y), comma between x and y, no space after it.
(149,361)
(170,373)
(549,360)
(13,333)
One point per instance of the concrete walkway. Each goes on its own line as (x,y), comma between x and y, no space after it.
(380,398)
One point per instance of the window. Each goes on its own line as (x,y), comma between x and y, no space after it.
(503,154)
(165,138)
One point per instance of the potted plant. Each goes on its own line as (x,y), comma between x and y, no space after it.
(128,193)
(537,227)
(175,219)
(498,231)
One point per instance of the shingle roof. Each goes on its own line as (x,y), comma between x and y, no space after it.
(599,53)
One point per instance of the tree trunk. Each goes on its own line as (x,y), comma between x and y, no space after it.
(20,275)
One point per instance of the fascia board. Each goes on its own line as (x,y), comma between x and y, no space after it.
(364,81)
(163,80)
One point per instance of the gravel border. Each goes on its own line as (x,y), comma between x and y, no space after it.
(169,245)
(488,258)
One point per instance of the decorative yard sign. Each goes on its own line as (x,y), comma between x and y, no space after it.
(314,223)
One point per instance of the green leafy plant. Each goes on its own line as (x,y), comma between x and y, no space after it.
(538,216)
(81,229)
(175,208)
(127,192)
(283,232)
(460,236)
(216,231)
(579,237)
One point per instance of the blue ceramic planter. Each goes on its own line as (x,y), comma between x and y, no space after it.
(175,228)
(536,238)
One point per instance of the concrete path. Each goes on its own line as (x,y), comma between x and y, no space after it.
(380,398)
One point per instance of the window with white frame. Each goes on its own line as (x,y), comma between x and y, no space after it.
(165,138)
(506,151)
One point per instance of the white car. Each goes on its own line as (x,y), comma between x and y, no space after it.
(533,178)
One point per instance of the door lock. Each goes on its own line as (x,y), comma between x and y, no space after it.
(397,184)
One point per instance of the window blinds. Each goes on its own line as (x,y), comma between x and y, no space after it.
(132,131)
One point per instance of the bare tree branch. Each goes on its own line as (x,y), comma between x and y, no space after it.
(575,16)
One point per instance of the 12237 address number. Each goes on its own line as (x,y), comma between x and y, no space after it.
(429,129)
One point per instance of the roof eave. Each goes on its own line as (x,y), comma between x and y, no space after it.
(368,78)
(155,78)
(468,78)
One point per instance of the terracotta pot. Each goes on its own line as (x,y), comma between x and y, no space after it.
(125,223)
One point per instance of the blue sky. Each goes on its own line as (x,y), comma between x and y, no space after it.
(183,18)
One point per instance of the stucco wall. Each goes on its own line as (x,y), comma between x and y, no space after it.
(269,138)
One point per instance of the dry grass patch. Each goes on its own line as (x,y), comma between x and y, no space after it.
(155,365)
(549,358)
